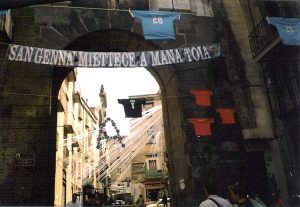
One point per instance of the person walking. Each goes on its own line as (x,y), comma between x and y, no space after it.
(73,202)
(165,200)
(212,198)
(140,201)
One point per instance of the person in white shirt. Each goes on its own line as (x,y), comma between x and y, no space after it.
(212,199)
(74,202)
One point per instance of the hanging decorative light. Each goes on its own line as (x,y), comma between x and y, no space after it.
(103,135)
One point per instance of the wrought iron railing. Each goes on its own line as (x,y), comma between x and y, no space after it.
(153,174)
(261,36)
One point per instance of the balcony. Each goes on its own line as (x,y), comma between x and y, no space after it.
(262,38)
(6,27)
(69,122)
(153,174)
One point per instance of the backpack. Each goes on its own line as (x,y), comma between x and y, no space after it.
(257,203)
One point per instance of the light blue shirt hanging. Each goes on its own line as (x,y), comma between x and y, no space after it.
(157,24)
(3,12)
(288,29)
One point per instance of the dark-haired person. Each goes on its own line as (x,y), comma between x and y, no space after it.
(238,196)
(140,201)
(74,202)
(212,198)
(90,200)
(165,200)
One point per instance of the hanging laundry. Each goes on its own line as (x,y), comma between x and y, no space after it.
(202,97)
(227,115)
(157,24)
(132,107)
(3,12)
(201,126)
(287,28)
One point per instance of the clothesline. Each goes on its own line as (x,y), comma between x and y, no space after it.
(101,9)
(43,95)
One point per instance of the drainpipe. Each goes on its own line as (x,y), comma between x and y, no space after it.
(13,4)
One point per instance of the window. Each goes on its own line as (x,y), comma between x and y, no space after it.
(152,165)
(137,167)
(148,106)
(119,170)
(281,78)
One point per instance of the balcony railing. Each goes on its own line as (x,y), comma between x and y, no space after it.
(261,36)
(153,174)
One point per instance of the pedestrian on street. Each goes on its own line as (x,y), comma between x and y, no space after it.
(73,202)
(212,198)
(165,200)
(140,201)
(89,202)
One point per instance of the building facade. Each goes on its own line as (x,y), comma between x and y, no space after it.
(77,158)
(149,172)
(279,68)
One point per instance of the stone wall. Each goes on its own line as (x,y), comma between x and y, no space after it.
(28,108)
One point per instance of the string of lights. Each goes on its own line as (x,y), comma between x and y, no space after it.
(103,135)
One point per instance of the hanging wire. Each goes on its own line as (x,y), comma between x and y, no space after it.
(43,95)
(117,163)
(124,159)
(132,141)
(99,9)
(130,149)
(83,135)
(114,152)
(128,157)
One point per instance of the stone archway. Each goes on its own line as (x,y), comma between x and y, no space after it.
(28,121)
(114,40)
(30,111)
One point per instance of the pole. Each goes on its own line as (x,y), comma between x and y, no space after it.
(173,5)
(13,4)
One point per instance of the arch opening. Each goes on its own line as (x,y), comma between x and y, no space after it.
(155,165)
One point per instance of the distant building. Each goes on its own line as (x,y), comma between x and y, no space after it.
(149,173)
(77,158)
